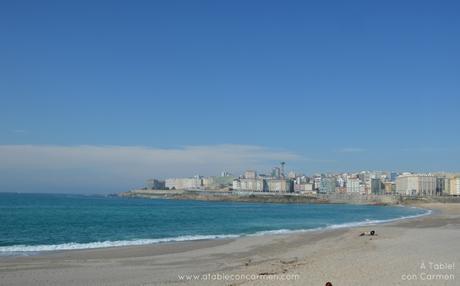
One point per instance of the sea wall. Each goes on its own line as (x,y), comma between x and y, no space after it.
(226,195)
(221,196)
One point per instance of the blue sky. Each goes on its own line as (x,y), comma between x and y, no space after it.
(330,85)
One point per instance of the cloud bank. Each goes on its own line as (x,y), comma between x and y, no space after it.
(90,168)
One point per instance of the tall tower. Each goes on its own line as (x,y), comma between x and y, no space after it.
(282,168)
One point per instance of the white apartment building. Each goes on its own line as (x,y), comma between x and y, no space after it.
(303,187)
(184,183)
(353,185)
(249,184)
(455,186)
(416,184)
(278,185)
(262,185)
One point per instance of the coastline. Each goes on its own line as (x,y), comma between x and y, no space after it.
(315,256)
(226,195)
(39,250)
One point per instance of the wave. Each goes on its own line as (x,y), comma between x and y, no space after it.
(372,222)
(286,231)
(343,225)
(17,249)
(32,249)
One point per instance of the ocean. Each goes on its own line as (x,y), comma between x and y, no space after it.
(33,223)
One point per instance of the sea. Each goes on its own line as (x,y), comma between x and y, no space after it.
(31,224)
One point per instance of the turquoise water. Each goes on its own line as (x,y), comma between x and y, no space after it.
(30,223)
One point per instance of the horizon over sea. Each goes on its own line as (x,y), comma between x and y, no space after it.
(32,223)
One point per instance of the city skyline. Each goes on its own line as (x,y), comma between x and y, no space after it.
(96,98)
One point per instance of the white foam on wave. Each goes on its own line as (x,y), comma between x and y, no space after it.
(276,231)
(342,225)
(32,249)
(17,249)
(377,221)
(372,222)
(285,231)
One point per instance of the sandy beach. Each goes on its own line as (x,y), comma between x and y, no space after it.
(420,251)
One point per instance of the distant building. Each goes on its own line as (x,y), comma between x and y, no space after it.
(267,184)
(276,172)
(389,187)
(316,182)
(217,182)
(185,183)
(225,174)
(292,175)
(249,184)
(236,184)
(393,176)
(154,184)
(303,187)
(340,182)
(365,178)
(363,189)
(376,186)
(416,184)
(250,174)
(279,185)
(353,185)
(302,180)
(455,186)
(327,185)
(442,185)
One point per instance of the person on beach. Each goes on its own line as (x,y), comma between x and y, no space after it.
(371,233)
(328,284)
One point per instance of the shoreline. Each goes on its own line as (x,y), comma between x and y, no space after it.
(315,256)
(262,197)
(285,198)
(42,250)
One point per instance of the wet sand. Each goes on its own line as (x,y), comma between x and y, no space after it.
(395,256)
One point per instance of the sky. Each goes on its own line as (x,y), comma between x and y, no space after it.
(97,96)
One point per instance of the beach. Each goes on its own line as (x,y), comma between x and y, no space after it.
(419,251)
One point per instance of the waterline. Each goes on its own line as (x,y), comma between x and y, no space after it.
(26,250)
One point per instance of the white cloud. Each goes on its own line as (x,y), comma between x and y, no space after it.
(121,167)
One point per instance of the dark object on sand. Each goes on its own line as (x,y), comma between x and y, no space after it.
(328,284)
(371,233)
